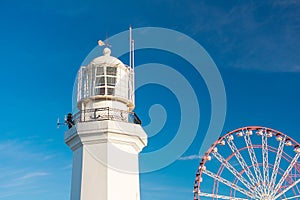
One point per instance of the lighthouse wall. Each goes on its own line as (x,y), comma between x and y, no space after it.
(105,160)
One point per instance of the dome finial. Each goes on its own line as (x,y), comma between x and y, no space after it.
(106,51)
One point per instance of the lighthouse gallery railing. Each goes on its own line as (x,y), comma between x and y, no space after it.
(106,113)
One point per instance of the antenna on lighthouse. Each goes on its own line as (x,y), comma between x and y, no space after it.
(131,49)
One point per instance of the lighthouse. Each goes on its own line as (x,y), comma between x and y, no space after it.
(105,134)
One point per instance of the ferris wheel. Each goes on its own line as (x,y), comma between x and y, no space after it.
(250,163)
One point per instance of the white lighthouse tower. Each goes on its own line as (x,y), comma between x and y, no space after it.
(106,136)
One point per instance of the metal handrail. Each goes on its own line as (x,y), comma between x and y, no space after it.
(106,113)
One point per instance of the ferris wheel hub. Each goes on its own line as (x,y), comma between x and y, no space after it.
(267,197)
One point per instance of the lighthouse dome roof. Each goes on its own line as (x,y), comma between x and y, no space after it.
(107,59)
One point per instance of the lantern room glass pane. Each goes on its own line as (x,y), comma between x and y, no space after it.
(100,91)
(99,71)
(111,81)
(100,81)
(111,71)
(110,91)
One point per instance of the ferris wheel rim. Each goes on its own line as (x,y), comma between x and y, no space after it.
(268,132)
(245,128)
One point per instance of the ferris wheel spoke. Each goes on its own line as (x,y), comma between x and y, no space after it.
(265,161)
(287,189)
(252,156)
(232,169)
(217,196)
(277,163)
(297,188)
(293,197)
(228,183)
(241,161)
(286,173)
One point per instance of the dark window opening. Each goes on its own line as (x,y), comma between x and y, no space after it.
(100,81)
(99,71)
(111,81)
(111,71)
(99,91)
(110,91)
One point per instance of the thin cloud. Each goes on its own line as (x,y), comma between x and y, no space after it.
(48,157)
(20,179)
(67,167)
(19,150)
(33,175)
(191,157)
(10,172)
(285,2)
(7,194)
(256,36)
(6,145)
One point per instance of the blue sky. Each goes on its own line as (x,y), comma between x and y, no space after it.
(254,44)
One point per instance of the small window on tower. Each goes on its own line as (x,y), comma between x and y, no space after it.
(111,71)
(111,81)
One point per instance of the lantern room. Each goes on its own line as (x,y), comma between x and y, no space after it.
(105,82)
